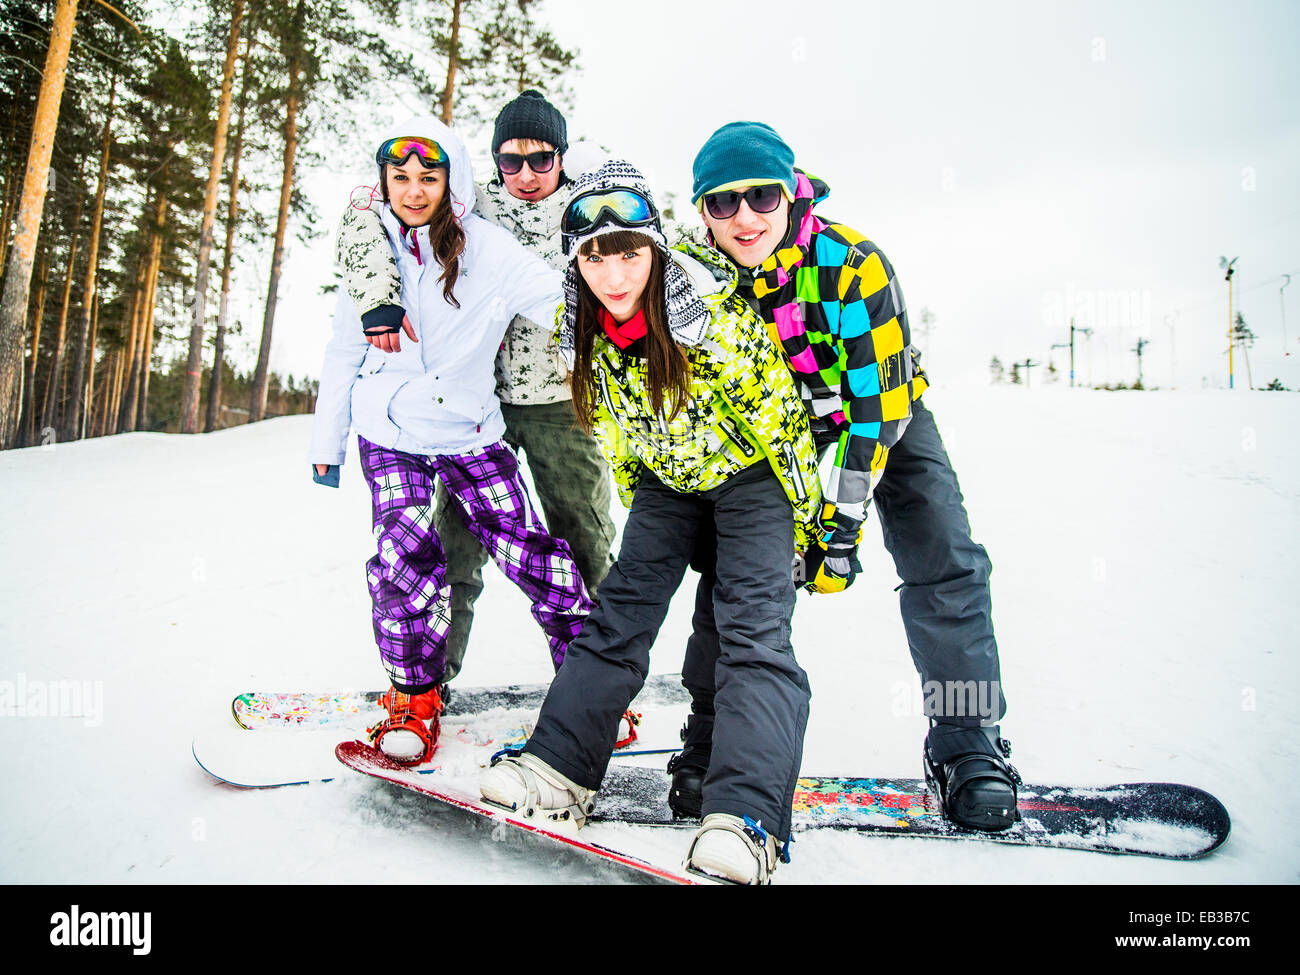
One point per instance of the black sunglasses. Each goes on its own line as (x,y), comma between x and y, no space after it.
(761,199)
(539,162)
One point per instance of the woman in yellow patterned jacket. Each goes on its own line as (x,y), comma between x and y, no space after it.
(699,419)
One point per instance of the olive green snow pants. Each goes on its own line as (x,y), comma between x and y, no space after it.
(572,482)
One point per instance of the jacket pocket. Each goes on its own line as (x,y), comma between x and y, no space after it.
(370,400)
(736,435)
(796,476)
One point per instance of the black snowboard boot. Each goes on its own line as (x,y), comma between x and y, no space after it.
(968,772)
(689,767)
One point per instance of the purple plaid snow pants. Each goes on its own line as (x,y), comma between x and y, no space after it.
(407,578)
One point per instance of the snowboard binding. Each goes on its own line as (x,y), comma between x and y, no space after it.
(629,720)
(525,784)
(734,850)
(968,773)
(414,719)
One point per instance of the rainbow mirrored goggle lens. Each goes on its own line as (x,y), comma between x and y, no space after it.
(397,151)
(591,210)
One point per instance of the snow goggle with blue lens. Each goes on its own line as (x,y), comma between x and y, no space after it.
(594,209)
(395,152)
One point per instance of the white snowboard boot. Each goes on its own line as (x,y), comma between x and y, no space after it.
(736,850)
(529,786)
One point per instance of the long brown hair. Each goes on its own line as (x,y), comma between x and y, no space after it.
(446,236)
(667,372)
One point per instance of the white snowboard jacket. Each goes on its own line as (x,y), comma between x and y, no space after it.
(435,396)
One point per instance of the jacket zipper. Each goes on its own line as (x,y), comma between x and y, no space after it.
(800,489)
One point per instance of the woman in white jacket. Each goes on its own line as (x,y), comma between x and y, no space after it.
(426,409)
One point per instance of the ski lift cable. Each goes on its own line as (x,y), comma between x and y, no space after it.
(1240,291)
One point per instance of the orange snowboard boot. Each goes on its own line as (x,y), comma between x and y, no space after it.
(410,732)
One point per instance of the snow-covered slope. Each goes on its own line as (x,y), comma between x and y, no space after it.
(1145,571)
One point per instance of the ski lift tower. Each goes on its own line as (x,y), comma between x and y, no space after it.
(1141,344)
(1062,345)
(1227,266)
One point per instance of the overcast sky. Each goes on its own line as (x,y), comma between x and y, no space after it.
(1018,162)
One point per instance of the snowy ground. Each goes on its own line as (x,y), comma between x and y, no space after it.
(1145,570)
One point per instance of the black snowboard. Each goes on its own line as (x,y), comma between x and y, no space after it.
(1158,819)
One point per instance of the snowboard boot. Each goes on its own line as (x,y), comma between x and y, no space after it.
(410,732)
(967,771)
(527,785)
(736,850)
(689,767)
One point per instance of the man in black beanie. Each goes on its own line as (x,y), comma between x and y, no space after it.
(530,124)
(529,143)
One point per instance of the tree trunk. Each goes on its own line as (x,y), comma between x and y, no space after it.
(112,395)
(11,182)
(6,215)
(232,221)
(18,274)
(125,411)
(95,404)
(211,420)
(140,318)
(114,403)
(453,62)
(29,369)
(126,354)
(85,345)
(150,306)
(194,365)
(50,413)
(257,399)
(84,424)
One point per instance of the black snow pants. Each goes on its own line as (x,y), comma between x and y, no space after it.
(759,693)
(944,597)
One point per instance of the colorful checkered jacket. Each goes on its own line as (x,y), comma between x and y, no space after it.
(830,298)
(743,406)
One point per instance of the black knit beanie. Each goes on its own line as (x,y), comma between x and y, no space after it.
(531,116)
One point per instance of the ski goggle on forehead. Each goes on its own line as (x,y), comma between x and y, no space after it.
(761,199)
(625,207)
(396,151)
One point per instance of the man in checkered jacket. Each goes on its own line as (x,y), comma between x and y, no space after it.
(830,299)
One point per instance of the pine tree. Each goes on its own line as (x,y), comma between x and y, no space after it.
(18,270)
(328,61)
(1243,338)
(521,54)
(169,109)
(212,418)
(193,372)
(83,346)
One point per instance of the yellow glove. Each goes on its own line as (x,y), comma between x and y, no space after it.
(827,573)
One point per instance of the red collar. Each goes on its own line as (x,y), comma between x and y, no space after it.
(625,334)
(412,238)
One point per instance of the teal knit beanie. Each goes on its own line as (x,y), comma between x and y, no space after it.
(743,152)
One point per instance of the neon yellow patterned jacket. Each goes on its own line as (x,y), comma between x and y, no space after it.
(743,405)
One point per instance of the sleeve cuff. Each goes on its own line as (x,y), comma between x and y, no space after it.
(385,318)
(330,478)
